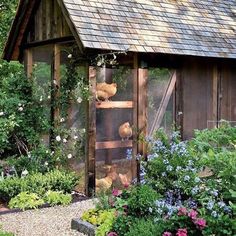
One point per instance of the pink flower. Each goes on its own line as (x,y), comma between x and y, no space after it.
(112,234)
(116,192)
(182,211)
(193,214)
(182,232)
(126,185)
(200,223)
(167,234)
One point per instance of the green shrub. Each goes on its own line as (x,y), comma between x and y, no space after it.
(143,227)
(141,200)
(26,200)
(57,198)
(55,180)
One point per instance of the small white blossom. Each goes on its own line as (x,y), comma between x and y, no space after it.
(52,153)
(75,137)
(69,156)
(20,109)
(83,131)
(54,82)
(58,138)
(79,99)
(1,113)
(62,120)
(24,173)
(49,97)
(19,104)
(41,98)
(69,56)
(64,140)
(46,163)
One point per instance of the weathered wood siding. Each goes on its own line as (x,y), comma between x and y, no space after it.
(48,22)
(228,93)
(197,79)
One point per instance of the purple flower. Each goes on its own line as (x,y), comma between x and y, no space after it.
(182,232)
(193,214)
(112,234)
(200,223)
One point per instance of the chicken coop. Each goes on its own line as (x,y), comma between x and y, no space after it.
(130,67)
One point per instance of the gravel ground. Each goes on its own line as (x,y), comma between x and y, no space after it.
(53,221)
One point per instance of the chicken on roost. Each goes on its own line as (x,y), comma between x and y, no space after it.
(104,91)
(125,131)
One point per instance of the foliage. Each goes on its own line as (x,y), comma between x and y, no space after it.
(144,227)
(25,200)
(170,164)
(38,183)
(145,197)
(103,219)
(57,198)
(122,224)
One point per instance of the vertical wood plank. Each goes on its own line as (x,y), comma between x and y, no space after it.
(142,108)
(135,164)
(29,62)
(215,97)
(91,132)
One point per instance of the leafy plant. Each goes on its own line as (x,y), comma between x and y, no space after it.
(25,200)
(57,198)
(38,183)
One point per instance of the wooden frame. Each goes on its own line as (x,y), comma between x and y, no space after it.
(91,132)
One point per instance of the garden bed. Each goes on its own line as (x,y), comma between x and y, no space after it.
(76,197)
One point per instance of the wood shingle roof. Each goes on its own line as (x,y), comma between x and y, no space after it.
(184,27)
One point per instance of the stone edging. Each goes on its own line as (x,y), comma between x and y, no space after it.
(83,227)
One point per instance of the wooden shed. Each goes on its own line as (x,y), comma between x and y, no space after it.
(172,62)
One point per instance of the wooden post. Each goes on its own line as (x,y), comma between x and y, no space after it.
(29,62)
(215,97)
(91,132)
(142,108)
(135,164)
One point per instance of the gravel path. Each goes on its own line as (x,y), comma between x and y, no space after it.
(53,221)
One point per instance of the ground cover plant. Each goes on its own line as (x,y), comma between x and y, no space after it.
(188,188)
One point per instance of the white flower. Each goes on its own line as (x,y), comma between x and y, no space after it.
(64,140)
(52,153)
(19,104)
(62,120)
(75,137)
(54,82)
(83,131)
(41,98)
(58,138)
(1,113)
(24,173)
(79,99)
(46,163)
(69,56)
(69,156)
(49,97)
(20,109)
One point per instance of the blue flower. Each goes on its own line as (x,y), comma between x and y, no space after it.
(186,178)
(210,205)
(221,204)
(165,161)
(169,168)
(163,174)
(214,214)
(195,190)
(214,192)
(129,154)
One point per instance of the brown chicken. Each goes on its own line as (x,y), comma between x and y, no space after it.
(106,182)
(125,131)
(104,91)
(126,179)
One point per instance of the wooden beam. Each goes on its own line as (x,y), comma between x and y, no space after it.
(91,132)
(113,144)
(164,103)
(142,108)
(215,96)
(29,63)
(135,163)
(115,104)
